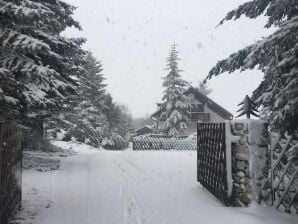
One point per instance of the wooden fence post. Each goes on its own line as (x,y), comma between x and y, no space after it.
(10,170)
(1,149)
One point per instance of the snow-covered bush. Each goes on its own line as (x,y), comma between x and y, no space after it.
(115,141)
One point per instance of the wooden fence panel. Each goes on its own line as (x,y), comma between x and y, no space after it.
(211,160)
(10,170)
(284,171)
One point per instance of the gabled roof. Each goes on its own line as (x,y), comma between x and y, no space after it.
(146,127)
(205,100)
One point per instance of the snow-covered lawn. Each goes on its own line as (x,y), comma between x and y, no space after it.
(129,187)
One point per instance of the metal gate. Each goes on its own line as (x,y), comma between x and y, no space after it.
(211,160)
(284,172)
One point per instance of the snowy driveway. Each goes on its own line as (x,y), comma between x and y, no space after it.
(148,187)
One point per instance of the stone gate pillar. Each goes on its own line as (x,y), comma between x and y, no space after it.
(249,155)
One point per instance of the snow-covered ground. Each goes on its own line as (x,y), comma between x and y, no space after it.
(129,187)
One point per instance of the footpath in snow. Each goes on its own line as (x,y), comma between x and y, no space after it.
(129,187)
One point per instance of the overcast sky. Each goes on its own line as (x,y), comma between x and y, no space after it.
(132,38)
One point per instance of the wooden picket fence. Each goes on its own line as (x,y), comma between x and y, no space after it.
(211,160)
(163,143)
(10,170)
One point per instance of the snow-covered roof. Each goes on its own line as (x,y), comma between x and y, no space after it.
(147,127)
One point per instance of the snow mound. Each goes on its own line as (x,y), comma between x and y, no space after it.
(44,161)
(74,146)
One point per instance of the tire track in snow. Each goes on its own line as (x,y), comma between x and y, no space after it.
(138,176)
(135,179)
(132,209)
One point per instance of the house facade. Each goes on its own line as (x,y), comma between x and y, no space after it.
(202,109)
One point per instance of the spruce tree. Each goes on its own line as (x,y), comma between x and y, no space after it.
(91,116)
(34,54)
(82,117)
(276,56)
(93,86)
(36,62)
(175,107)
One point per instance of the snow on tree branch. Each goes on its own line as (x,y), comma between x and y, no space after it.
(276,56)
(278,11)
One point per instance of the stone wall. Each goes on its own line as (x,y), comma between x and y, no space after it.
(249,156)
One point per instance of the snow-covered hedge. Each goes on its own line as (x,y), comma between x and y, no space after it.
(163,143)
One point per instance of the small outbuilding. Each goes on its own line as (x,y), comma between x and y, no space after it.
(147,129)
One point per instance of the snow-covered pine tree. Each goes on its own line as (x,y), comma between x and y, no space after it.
(91,124)
(276,55)
(83,115)
(94,86)
(35,60)
(120,125)
(175,107)
(33,51)
(248,108)
(91,116)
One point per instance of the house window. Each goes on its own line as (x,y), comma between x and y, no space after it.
(197,113)
(197,108)
(204,117)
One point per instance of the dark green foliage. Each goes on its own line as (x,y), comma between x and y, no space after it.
(120,125)
(82,116)
(36,62)
(278,11)
(48,82)
(276,55)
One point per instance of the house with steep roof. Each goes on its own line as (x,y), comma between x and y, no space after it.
(146,129)
(203,109)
